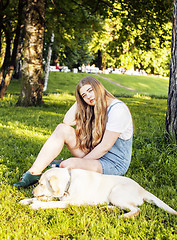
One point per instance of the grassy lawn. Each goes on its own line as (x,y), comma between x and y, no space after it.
(66,82)
(148,85)
(23,131)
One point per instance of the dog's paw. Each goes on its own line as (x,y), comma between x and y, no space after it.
(37,205)
(26,201)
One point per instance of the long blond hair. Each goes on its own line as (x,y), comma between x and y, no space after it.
(91,120)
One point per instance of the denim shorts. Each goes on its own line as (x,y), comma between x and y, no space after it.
(117,160)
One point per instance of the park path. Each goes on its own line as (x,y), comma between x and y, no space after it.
(119,85)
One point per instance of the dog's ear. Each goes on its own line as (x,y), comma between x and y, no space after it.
(53,184)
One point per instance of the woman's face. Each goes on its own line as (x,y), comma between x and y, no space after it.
(88,94)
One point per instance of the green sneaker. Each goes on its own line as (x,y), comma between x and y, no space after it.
(27,180)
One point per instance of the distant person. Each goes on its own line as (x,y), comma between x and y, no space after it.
(58,67)
(83,68)
(88,68)
(101,140)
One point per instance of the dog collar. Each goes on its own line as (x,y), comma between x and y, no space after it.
(69,182)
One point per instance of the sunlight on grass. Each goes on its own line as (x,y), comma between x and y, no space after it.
(23,131)
(62,98)
(66,83)
(20,130)
(144,85)
(141,96)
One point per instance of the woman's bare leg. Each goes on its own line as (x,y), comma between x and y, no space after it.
(63,134)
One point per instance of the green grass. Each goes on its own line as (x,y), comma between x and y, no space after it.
(66,82)
(23,131)
(148,85)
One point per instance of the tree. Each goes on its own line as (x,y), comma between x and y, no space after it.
(12,30)
(73,23)
(47,65)
(69,18)
(32,79)
(171,115)
(136,34)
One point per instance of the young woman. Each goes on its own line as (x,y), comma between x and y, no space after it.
(101,141)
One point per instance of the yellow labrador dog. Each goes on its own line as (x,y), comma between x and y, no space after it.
(78,187)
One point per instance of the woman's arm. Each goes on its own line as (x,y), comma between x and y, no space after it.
(69,118)
(104,146)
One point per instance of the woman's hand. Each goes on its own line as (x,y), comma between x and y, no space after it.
(104,146)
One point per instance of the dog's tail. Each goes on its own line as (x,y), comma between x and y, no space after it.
(149,197)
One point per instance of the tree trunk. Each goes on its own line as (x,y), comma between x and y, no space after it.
(10,59)
(10,69)
(18,65)
(171,115)
(32,81)
(100,65)
(3,6)
(6,81)
(5,65)
(47,66)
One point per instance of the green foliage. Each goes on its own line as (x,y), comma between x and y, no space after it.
(129,34)
(9,17)
(134,36)
(23,132)
(73,24)
(76,55)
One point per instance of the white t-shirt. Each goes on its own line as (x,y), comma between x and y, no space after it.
(119,119)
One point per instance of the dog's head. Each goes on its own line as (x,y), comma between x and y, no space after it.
(53,183)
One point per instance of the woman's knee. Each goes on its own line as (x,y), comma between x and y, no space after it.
(69,163)
(64,130)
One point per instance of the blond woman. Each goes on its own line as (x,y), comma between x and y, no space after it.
(101,140)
